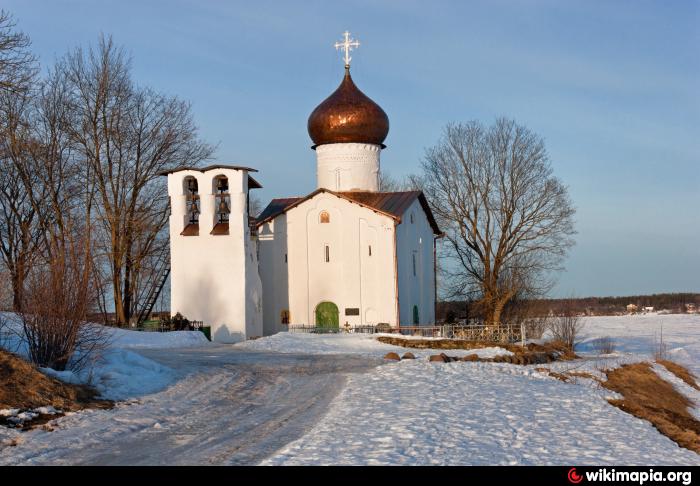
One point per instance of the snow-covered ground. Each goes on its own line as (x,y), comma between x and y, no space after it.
(639,335)
(321,399)
(360,344)
(416,412)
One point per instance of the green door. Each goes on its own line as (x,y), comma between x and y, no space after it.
(327,315)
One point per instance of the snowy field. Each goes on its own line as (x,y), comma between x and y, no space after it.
(416,412)
(322,399)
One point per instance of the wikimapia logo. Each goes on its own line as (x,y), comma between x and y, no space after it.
(637,477)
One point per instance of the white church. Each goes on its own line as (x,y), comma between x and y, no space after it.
(345,255)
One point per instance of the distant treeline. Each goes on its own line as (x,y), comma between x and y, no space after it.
(585,305)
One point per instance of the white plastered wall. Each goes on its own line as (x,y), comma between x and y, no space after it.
(272,240)
(214,278)
(415,240)
(352,279)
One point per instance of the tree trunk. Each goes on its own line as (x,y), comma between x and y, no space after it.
(17,276)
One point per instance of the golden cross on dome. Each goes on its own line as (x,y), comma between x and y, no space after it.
(347,45)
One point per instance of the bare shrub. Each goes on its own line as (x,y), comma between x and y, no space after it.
(566,327)
(535,327)
(54,311)
(603,345)
(660,348)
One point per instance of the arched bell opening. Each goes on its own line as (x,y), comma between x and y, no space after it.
(222,205)
(192,208)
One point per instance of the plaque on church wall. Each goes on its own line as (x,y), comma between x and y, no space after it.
(352,311)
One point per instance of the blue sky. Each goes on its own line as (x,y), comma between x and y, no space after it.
(612,86)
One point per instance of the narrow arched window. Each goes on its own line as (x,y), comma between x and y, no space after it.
(324,217)
(284,317)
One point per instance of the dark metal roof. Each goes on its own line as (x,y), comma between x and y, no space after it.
(276,207)
(392,204)
(252,183)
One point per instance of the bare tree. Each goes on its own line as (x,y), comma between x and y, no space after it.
(17,64)
(18,220)
(389,183)
(126,136)
(508,221)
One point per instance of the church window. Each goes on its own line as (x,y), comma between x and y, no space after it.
(416,315)
(324,217)
(285,258)
(328,254)
(414,263)
(370,250)
(284,317)
(411,218)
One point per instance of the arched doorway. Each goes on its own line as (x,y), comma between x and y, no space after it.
(327,315)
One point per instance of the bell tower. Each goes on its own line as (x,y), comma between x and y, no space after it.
(213,253)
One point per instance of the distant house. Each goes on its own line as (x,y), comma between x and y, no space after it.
(647,309)
(631,308)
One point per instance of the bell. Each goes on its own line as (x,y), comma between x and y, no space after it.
(222,184)
(223,207)
(192,185)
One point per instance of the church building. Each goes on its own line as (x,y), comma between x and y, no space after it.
(345,255)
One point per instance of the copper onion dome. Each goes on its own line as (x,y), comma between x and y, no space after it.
(347,116)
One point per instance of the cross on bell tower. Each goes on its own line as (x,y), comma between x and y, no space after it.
(348,44)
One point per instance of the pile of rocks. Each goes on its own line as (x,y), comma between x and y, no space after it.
(525,358)
(395,357)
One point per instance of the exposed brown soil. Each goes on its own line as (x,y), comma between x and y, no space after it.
(24,387)
(680,372)
(530,354)
(649,397)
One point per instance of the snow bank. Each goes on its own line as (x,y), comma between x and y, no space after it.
(118,373)
(126,339)
(416,412)
(362,344)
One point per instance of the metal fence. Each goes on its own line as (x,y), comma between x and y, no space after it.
(470,332)
(162,327)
